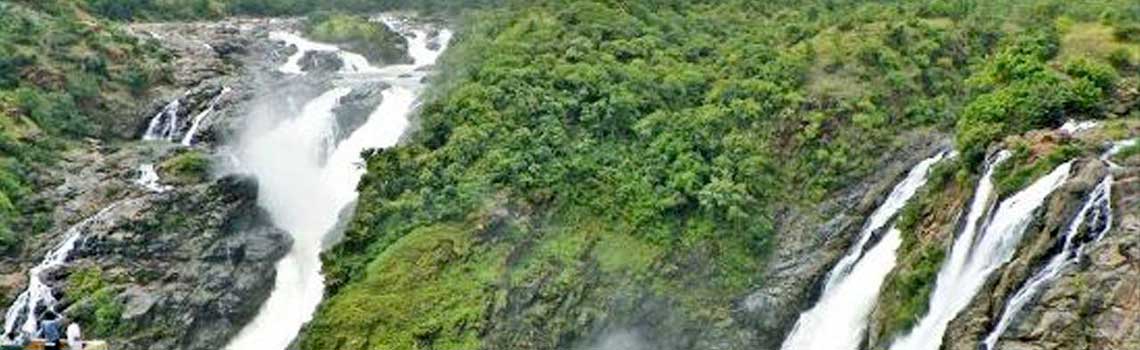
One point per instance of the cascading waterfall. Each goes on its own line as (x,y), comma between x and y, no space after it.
(304,189)
(959,280)
(164,125)
(847,300)
(148,179)
(1116,148)
(38,294)
(353,63)
(880,217)
(1076,127)
(188,139)
(1097,212)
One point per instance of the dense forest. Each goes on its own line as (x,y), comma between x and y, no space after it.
(646,148)
(578,166)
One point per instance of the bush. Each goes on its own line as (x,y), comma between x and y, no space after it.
(186,168)
(1103,76)
(1128,33)
(358,34)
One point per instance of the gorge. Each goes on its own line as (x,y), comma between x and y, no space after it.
(572,174)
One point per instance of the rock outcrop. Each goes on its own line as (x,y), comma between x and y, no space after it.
(1093,304)
(189,266)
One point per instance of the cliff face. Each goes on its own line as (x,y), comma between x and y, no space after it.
(1091,305)
(182,262)
(185,268)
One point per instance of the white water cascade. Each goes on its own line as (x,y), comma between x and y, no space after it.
(1097,213)
(164,125)
(973,259)
(882,215)
(1116,148)
(853,288)
(38,294)
(188,139)
(304,194)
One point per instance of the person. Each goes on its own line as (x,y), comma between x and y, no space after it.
(50,331)
(74,337)
(12,341)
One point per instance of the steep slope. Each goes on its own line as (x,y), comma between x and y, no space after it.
(654,181)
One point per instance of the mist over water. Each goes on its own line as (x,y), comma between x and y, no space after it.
(306,178)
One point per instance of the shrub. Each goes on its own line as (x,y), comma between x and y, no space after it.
(1101,75)
(186,168)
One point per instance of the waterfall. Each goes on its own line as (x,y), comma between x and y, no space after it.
(959,280)
(164,125)
(1116,148)
(980,206)
(1097,211)
(847,300)
(148,179)
(353,62)
(1075,127)
(188,139)
(305,181)
(879,218)
(38,294)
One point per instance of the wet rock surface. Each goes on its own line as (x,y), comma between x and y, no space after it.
(180,269)
(354,109)
(1094,304)
(321,62)
(189,266)
(811,240)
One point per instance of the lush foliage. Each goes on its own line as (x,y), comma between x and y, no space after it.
(679,129)
(358,34)
(98,310)
(186,168)
(63,76)
(1028,164)
(184,9)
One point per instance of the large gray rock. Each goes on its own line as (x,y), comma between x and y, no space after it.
(189,266)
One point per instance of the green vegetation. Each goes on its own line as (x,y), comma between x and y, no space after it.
(648,145)
(63,76)
(199,9)
(1028,164)
(417,289)
(358,34)
(1021,92)
(186,168)
(97,309)
(1128,152)
(925,225)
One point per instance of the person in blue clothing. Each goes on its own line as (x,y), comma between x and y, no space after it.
(51,330)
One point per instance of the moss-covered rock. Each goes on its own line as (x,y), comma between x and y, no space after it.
(187,167)
(359,34)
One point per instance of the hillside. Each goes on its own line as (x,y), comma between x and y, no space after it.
(572,174)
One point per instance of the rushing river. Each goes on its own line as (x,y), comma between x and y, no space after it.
(306,177)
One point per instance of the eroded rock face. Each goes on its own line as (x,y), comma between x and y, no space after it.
(811,240)
(1094,304)
(321,62)
(189,266)
(353,110)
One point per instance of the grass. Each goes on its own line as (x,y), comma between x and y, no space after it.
(429,289)
(1091,39)
(1027,165)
